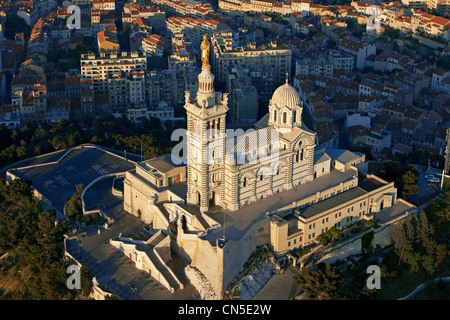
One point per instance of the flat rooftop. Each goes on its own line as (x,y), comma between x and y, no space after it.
(331,202)
(397,210)
(57,176)
(161,164)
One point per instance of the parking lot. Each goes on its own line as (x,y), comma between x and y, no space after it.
(79,166)
(427,190)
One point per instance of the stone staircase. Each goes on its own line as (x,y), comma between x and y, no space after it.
(149,252)
(174,283)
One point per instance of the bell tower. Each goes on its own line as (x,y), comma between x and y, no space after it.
(206,139)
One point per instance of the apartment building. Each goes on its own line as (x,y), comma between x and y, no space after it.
(155,45)
(170,85)
(358,49)
(81,2)
(126,88)
(28,12)
(231,5)
(99,67)
(101,20)
(154,17)
(109,5)
(261,76)
(183,8)
(194,28)
(107,40)
(440,81)
(266,6)
(162,111)
(224,54)
(243,101)
(317,66)
(183,55)
(430,25)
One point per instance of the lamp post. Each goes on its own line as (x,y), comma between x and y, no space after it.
(133,290)
(79,249)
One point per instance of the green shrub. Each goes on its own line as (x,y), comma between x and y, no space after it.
(369,224)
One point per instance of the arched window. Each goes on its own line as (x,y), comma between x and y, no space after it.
(274,115)
(261,177)
(301,156)
(244,183)
(284,117)
(297,155)
(294,116)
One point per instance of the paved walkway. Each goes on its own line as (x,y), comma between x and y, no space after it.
(280,286)
(423,286)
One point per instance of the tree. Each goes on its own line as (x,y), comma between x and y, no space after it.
(56,142)
(5,137)
(401,242)
(366,240)
(73,207)
(323,282)
(330,236)
(424,230)
(86,282)
(391,33)
(370,224)
(409,182)
(33,236)
(46,220)
(414,243)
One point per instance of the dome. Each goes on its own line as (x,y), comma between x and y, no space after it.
(286,95)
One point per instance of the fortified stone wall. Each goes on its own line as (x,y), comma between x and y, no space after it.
(382,237)
(237,253)
(202,256)
(220,264)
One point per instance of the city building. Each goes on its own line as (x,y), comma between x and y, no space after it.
(194,28)
(358,49)
(243,101)
(156,45)
(163,111)
(107,40)
(224,54)
(99,67)
(183,55)
(109,5)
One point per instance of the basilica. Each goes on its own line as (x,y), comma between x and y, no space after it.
(239,190)
(233,169)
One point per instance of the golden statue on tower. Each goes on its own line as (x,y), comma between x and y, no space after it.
(205,52)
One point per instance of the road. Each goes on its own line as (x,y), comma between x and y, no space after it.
(343,135)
